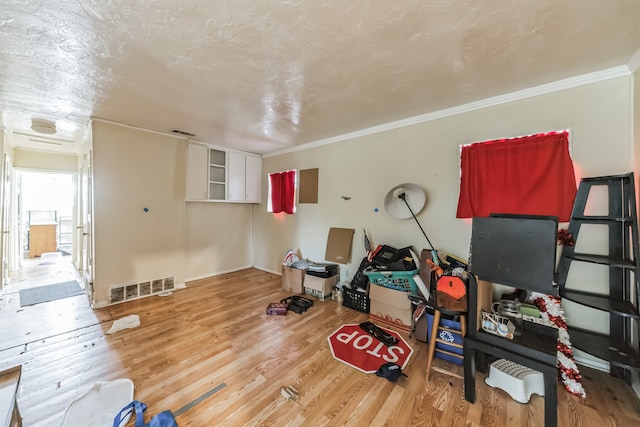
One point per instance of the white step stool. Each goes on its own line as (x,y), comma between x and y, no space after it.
(518,381)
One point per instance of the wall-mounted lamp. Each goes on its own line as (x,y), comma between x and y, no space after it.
(404,201)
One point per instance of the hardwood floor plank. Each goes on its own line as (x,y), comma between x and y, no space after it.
(216,332)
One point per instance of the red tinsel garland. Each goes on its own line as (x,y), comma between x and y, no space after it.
(551,310)
(565,238)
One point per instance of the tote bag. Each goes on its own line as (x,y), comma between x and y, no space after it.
(163,419)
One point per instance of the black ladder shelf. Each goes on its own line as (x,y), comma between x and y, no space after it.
(620,347)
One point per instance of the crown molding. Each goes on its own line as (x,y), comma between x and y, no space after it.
(111,122)
(634,62)
(572,82)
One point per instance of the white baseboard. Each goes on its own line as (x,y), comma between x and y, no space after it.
(605,367)
(99,304)
(278,273)
(217,273)
(592,363)
(635,382)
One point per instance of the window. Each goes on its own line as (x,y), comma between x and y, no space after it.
(525,175)
(282,192)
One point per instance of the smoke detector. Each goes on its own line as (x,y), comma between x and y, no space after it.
(43,126)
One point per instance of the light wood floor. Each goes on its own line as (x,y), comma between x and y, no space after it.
(39,271)
(215,334)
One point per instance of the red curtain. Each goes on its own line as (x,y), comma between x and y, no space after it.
(283,191)
(527,175)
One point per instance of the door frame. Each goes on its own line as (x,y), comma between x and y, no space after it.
(83,255)
(17,222)
(6,226)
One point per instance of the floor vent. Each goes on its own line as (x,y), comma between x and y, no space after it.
(121,293)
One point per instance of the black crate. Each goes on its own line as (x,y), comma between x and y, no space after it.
(357,300)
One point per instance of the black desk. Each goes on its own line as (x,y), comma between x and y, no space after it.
(549,372)
(535,349)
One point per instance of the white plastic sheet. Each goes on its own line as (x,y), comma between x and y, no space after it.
(127,322)
(98,405)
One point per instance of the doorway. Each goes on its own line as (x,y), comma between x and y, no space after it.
(44,224)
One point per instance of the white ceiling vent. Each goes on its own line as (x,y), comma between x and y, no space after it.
(183,133)
(43,139)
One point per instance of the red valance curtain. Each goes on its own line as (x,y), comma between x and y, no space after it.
(283,191)
(527,175)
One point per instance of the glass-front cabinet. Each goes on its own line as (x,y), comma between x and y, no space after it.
(219,175)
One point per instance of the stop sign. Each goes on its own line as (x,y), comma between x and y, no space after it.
(350,344)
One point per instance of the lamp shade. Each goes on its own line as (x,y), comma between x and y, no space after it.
(395,206)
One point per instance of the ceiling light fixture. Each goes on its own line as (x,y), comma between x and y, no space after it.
(43,126)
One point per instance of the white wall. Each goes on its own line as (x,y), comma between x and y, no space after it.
(218,238)
(29,159)
(366,168)
(427,154)
(134,170)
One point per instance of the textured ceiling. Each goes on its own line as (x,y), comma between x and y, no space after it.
(266,75)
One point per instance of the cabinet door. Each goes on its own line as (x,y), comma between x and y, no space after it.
(237,179)
(197,174)
(253,179)
(217,174)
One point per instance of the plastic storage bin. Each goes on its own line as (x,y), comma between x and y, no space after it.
(357,300)
(451,323)
(398,280)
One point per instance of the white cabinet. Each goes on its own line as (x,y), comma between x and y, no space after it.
(245,177)
(197,173)
(237,178)
(206,173)
(253,187)
(215,174)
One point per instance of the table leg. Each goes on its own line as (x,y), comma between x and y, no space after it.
(550,376)
(469,362)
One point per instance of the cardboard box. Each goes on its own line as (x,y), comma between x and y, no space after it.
(9,382)
(339,245)
(308,186)
(390,306)
(293,280)
(320,287)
